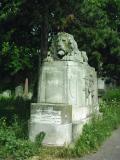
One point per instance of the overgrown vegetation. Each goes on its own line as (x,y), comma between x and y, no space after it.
(13,143)
(93,135)
(112,95)
(95,132)
(98,129)
(15,106)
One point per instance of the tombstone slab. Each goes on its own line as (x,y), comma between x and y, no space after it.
(6,94)
(19,91)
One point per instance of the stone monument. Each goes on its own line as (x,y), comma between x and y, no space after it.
(7,94)
(19,91)
(101,83)
(67,93)
(101,88)
(26,88)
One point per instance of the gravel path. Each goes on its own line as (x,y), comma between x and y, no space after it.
(110,150)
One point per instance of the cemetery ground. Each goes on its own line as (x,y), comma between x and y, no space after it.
(110,149)
(15,145)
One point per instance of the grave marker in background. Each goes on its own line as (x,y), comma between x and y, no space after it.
(19,91)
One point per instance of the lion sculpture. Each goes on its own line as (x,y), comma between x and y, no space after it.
(64,47)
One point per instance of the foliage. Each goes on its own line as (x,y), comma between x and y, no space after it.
(112,95)
(12,145)
(11,106)
(94,24)
(95,132)
(99,128)
(96,31)
(14,58)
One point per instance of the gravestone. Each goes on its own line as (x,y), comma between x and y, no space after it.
(19,91)
(30,95)
(66,79)
(101,87)
(101,83)
(6,93)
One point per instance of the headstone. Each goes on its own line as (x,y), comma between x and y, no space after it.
(19,91)
(67,79)
(110,83)
(30,94)
(101,84)
(6,94)
(101,88)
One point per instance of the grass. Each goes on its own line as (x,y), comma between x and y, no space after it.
(93,135)
(112,95)
(14,106)
(96,132)
(14,142)
(14,145)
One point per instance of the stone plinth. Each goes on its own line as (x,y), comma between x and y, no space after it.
(53,119)
(69,82)
(78,126)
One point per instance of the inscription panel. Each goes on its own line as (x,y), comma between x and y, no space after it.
(54,92)
(47,116)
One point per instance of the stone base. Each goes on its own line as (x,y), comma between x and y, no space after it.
(80,113)
(61,123)
(77,128)
(56,135)
(55,120)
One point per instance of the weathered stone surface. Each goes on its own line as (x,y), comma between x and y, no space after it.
(101,88)
(68,82)
(6,93)
(65,78)
(56,134)
(77,128)
(30,95)
(51,113)
(19,91)
(101,84)
(64,47)
(53,119)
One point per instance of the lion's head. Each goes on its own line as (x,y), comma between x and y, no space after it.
(64,47)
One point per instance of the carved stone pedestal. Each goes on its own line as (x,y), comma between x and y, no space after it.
(67,93)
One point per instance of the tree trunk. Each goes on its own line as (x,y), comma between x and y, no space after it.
(44,45)
(44,33)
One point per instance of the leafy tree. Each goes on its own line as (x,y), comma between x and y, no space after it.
(26,25)
(96,30)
